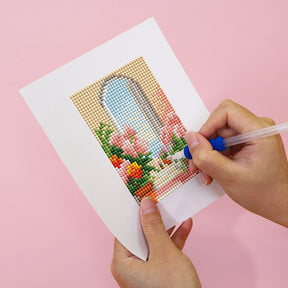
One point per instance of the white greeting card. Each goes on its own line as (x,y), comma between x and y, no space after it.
(114,115)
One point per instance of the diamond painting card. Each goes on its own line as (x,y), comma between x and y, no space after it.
(114,115)
(137,127)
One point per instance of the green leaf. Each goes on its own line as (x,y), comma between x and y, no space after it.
(117,151)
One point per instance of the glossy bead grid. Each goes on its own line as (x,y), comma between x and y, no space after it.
(137,127)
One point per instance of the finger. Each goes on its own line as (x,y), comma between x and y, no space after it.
(120,252)
(154,230)
(181,234)
(232,115)
(208,160)
(226,132)
(192,167)
(170,231)
(205,178)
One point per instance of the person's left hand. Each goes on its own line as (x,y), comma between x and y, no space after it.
(166,265)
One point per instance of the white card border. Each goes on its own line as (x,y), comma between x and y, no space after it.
(49,101)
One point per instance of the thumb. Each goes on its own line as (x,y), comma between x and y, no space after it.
(154,230)
(210,161)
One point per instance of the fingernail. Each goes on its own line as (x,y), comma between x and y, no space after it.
(147,205)
(203,177)
(191,139)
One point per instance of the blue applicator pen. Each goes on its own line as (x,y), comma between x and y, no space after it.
(220,144)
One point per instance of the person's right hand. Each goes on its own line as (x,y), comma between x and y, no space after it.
(255,175)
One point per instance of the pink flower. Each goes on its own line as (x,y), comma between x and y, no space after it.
(123,170)
(166,134)
(116,139)
(141,146)
(128,148)
(129,142)
(173,125)
(129,131)
(172,119)
(180,130)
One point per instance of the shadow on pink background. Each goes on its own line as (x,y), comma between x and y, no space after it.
(50,236)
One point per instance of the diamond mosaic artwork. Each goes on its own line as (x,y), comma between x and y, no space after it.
(137,127)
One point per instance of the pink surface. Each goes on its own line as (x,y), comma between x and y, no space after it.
(50,236)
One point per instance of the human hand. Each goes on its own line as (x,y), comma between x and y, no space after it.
(166,266)
(255,175)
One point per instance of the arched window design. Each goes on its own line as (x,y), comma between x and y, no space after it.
(125,103)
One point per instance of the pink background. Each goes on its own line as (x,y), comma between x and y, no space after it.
(50,236)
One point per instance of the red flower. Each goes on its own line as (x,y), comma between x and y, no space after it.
(134,170)
(123,170)
(116,161)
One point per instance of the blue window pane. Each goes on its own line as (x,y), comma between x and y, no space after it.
(125,111)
